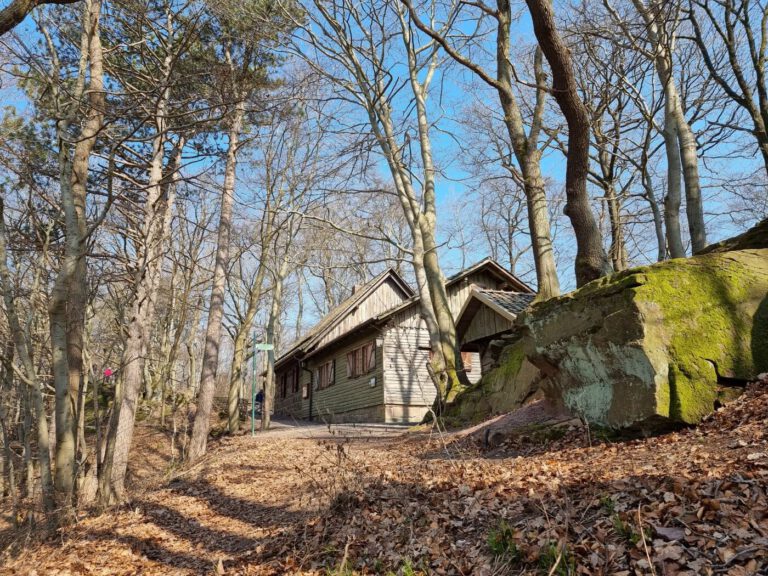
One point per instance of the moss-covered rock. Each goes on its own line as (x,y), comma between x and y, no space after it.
(501,390)
(653,345)
(754,238)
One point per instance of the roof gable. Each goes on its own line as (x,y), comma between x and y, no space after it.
(506,304)
(492,267)
(389,281)
(341,320)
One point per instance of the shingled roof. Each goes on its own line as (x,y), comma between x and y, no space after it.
(504,303)
(512,302)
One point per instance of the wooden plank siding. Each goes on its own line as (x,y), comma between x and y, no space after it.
(347,399)
(408,387)
(459,291)
(486,322)
(403,390)
(384,298)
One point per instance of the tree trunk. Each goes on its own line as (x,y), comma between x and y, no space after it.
(679,140)
(618,250)
(17,10)
(21,343)
(672,200)
(426,220)
(68,297)
(241,342)
(158,211)
(591,259)
(271,335)
(694,205)
(199,441)
(526,149)
(454,375)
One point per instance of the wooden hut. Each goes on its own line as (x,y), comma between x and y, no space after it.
(366,361)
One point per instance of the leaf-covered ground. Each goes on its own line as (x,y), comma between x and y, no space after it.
(688,502)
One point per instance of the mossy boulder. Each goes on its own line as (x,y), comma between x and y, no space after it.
(503,389)
(754,238)
(654,345)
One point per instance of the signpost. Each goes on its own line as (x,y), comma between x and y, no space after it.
(256,346)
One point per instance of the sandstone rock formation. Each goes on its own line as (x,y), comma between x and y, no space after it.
(645,348)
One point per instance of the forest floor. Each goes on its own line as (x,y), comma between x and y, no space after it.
(547,501)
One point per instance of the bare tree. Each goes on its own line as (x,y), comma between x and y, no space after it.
(245,74)
(357,40)
(167,41)
(68,299)
(658,40)
(28,371)
(591,260)
(733,39)
(524,142)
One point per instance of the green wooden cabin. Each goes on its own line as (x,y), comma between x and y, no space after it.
(366,361)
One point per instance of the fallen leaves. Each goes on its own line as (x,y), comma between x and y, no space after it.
(689,502)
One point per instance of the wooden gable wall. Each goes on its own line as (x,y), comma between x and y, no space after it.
(485,323)
(387,296)
(459,292)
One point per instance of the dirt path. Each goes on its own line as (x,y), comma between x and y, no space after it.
(247,491)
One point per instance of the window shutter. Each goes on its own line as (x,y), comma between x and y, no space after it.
(317,379)
(332,372)
(371,356)
(351,364)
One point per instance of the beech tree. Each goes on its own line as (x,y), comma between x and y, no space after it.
(357,41)
(591,259)
(524,139)
(733,40)
(247,57)
(67,307)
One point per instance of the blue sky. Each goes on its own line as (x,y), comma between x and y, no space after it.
(450,96)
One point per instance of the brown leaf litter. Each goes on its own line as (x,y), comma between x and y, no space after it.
(688,502)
